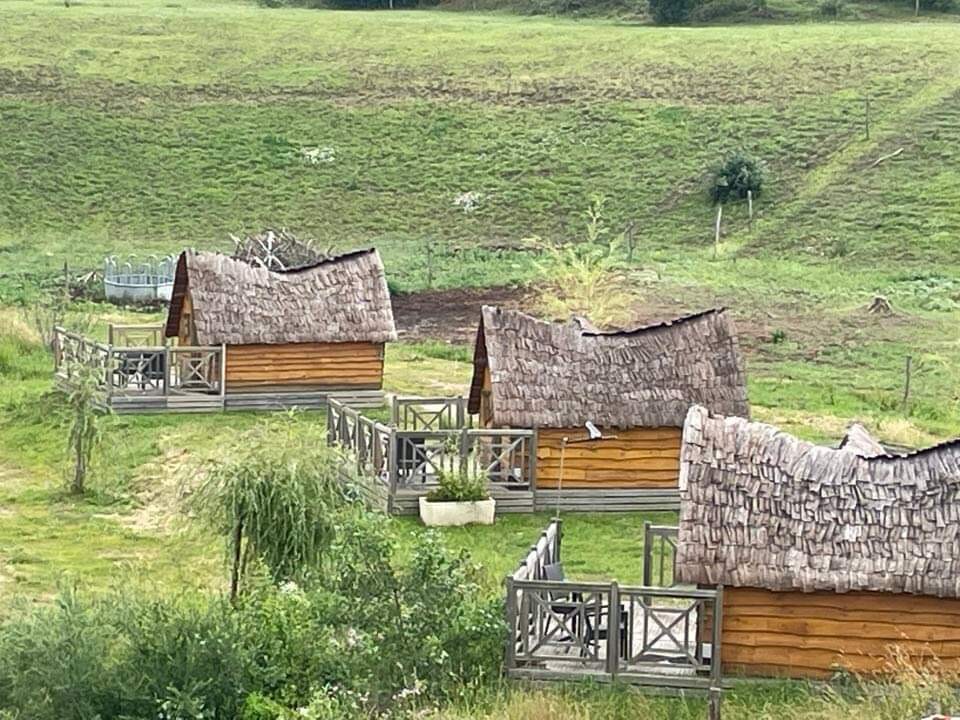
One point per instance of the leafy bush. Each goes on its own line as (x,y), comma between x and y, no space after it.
(375,635)
(737,174)
(458,487)
(719,9)
(272,499)
(670,12)
(944,6)
(830,8)
(588,278)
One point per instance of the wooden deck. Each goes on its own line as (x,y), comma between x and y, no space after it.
(399,462)
(156,378)
(654,636)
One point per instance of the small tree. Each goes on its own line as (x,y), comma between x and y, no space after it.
(736,175)
(84,436)
(272,495)
(670,12)
(589,277)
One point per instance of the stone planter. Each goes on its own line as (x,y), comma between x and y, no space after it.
(439,514)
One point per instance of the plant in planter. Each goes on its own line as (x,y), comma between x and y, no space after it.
(458,500)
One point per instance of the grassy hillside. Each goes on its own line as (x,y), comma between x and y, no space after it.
(151,126)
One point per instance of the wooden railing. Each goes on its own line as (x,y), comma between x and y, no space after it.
(130,371)
(151,335)
(545,552)
(655,636)
(415,458)
(659,554)
(442,413)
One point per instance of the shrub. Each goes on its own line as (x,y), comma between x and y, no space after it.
(272,499)
(588,278)
(945,6)
(830,8)
(719,9)
(380,635)
(458,487)
(670,12)
(737,174)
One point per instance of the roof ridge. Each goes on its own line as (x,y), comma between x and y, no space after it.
(942,445)
(656,325)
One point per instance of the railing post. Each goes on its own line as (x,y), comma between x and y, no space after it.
(559,523)
(223,372)
(394,410)
(510,659)
(392,470)
(166,371)
(647,555)
(330,430)
(613,631)
(716,659)
(108,375)
(533,443)
(464,450)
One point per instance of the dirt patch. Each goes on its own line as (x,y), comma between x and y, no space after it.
(164,483)
(451,315)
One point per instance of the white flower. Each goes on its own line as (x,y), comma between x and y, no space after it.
(317,155)
(468,201)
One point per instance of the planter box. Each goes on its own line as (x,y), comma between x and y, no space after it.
(439,514)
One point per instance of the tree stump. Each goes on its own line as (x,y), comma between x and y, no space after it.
(880,306)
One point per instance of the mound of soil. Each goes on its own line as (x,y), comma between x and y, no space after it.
(450,315)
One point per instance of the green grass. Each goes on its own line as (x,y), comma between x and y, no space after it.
(121,131)
(145,127)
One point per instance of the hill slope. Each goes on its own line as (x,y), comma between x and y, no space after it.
(153,125)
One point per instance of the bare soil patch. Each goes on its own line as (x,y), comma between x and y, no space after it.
(451,315)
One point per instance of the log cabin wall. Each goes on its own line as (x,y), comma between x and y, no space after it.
(304,366)
(810,635)
(635,458)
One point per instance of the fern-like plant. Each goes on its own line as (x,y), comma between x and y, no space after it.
(273,495)
(458,487)
(589,277)
(86,389)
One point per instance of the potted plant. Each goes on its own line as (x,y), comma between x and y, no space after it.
(458,500)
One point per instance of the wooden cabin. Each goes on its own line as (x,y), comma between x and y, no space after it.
(829,558)
(321,327)
(635,386)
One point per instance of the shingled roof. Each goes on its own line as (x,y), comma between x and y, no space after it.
(761,508)
(339,299)
(859,440)
(561,375)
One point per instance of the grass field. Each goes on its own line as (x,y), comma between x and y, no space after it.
(150,126)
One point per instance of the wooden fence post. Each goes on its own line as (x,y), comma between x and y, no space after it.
(613,631)
(532,466)
(647,555)
(866,116)
(166,371)
(906,383)
(392,470)
(716,658)
(511,613)
(223,373)
(716,232)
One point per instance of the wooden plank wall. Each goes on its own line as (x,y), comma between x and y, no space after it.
(635,458)
(808,635)
(306,365)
